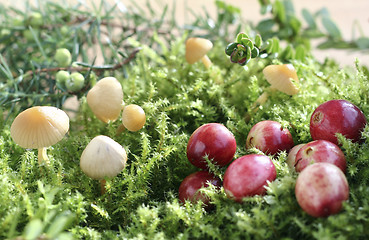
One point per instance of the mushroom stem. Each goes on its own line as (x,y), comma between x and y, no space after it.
(259,102)
(206,61)
(102,186)
(42,156)
(120,129)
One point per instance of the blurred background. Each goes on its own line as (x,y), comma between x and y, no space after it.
(351,16)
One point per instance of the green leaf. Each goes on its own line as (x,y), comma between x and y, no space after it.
(275,45)
(266,25)
(241,36)
(258,41)
(279,11)
(331,28)
(362,42)
(269,46)
(33,229)
(230,48)
(254,52)
(309,18)
(300,52)
(58,225)
(295,24)
(247,42)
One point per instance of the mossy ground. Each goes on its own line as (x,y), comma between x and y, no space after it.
(60,201)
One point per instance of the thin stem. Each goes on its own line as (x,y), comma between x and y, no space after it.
(259,102)
(102,186)
(206,61)
(42,156)
(120,129)
(30,73)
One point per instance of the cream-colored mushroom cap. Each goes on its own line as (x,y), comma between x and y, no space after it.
(39,127)
(133,117)
(103,157)
(196,48)
(105,99)
(282,77)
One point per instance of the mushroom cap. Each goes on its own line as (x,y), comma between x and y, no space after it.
(282,77)
(196,48)
(39,127)
(133,117)
(105,99)
(103,157)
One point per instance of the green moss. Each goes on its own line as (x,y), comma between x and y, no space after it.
(142,201)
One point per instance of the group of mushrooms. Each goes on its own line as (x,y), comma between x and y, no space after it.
(282,78)
(40,127)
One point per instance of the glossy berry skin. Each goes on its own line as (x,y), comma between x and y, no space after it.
(291,157)
(213,140)
(190,186)
(75,82)
(337,116)
(269,137)
(320,151)
(248,175)
(320,189)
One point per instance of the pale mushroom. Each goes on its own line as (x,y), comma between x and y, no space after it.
(103,158)
(133,118)
(38,128)
(196,49)
(282,78)
(106,99)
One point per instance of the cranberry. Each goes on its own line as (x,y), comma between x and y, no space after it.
(269,137)
(337,116)
(248,176)
(213,140)
(190,186)
(320,151)
(320,189)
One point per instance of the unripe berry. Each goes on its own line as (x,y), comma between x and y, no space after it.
(75,82)
(28,35)
(63,57)
(61,77)
(36,20)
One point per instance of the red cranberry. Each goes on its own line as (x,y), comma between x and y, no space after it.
(337,116)
(320,189)
(213,140)
(269,137)
(190,186)
(248,176)
(320,151)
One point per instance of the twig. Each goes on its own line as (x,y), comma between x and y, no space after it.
(97,68)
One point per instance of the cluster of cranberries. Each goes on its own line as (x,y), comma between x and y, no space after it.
(321,185)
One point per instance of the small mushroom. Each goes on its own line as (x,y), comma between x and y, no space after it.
(38,128)
(196,49)
(281,78)
(106,99)
(133,118)
(103,157)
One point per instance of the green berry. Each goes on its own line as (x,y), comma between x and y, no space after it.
(64,30)
(75,82)
(36,19)
(4,32)
(61,77)
(18,22)
(63,57)
(27,33)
